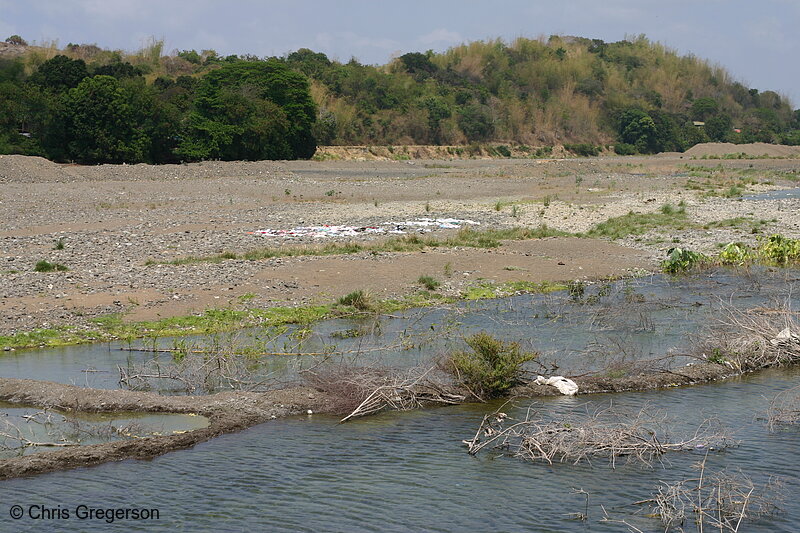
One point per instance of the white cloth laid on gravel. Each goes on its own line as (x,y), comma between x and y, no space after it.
(564,385)
(420,224)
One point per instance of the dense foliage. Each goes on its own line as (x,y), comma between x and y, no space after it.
(85,104)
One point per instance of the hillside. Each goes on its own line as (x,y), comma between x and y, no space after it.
(82,103)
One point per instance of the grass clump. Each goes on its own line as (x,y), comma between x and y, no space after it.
(46,266)
(429,282)
(359,299)
(490,367)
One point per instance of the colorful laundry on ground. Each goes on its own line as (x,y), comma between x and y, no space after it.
(420,225)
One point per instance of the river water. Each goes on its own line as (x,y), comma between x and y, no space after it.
(410,471)
(608,323)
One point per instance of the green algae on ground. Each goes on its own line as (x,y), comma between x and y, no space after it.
(488,289)
(113,327)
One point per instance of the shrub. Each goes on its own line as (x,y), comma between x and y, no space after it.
(359,299)
(779,250)
(680,260)
(491,367)
(625,149)
(46,266)
(429,282)
(734,253)
(503,150)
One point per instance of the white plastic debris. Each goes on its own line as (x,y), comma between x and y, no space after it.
(564,385)
(784,337)
(421,225)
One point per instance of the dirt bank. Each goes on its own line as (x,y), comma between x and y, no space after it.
(227,412)
(751,150)
(234,411)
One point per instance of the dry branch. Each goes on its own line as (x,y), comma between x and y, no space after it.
(721,500)
(784,409)
(606,433)
(747,340)
(197,372)
(362,391)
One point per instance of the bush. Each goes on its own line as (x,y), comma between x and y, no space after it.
(502,150)
(625,149)
(680,260)
(358,299)
(429,282)
(491,367)
(46,266)
(734,253)
(779,250)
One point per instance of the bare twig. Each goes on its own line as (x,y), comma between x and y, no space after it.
(605,433)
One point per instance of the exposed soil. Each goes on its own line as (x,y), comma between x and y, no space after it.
(227,412)
(234,411)
(114,218)
(755,149)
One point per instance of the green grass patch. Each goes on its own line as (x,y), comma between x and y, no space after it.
(46,266)
(488,289)
(640,223)
(429,282)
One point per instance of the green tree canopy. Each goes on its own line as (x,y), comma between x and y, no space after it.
(102,121)
(703,108)
(60,73)
(251,110)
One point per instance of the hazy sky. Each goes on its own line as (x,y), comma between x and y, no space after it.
(757,41)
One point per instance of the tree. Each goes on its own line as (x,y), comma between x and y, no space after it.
(702,108)
(251,110)
(636,127)
(418,65)
(119,70)
(103,122)
(475,120)
(719,127)
(60,73)
(17,40)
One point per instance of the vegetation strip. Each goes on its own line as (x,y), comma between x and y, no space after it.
(465,237)
(85,104)
(356,304)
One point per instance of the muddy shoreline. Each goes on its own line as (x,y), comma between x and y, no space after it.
(230,412)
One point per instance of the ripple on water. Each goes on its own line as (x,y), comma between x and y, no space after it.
(409,471)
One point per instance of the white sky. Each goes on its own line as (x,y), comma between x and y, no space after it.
(757,41)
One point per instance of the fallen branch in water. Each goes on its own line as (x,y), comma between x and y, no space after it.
(362,391)
(607,433)
(784,409)
(721,500)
